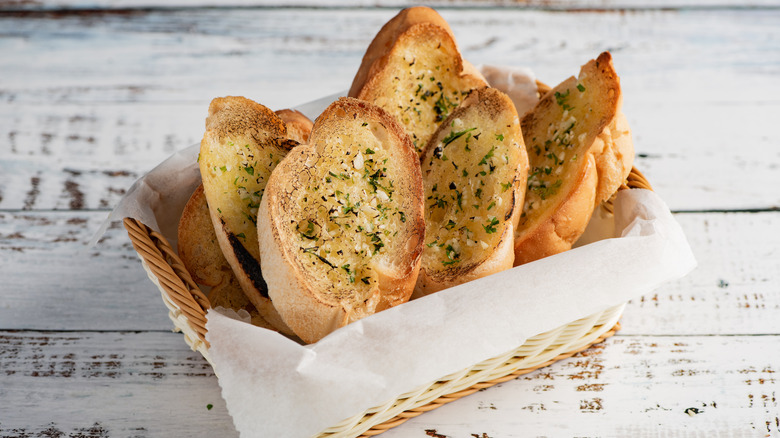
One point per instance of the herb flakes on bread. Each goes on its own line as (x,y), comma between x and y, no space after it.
(413,69)
(242,144)
(341,222)
(580,152)
(474,172)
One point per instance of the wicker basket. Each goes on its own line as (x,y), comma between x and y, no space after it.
(188,306)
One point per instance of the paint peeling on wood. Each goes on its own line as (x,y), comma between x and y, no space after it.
(77,137)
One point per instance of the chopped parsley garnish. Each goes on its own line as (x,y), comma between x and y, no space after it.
(308,231)
(452,136)
(487,156)
(560,98)
(349,272)
(376,241)
(507,186)
(442,107)
(452,256)
(311,250)
(369,151)
(500,137)
(545,192)
(250,170)
(490,228)
(581,87)
(341,176)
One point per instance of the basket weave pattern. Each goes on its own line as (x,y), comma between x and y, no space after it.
(187,306)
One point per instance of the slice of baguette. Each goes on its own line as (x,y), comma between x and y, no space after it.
(580,152)
(242,144)
(341,222)
(474,172)
(298,125)
(413,69)
(201,255)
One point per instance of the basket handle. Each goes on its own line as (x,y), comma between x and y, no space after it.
(174,279)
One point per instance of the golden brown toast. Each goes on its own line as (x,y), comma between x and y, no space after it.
(474,172)
(580,152)
(341,222)
(242,144)
(414,70)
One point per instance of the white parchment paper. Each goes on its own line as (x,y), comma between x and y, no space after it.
(275,387)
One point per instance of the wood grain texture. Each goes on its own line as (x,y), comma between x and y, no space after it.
(733,290)
(53,280)
(107,384)
(629,386)
(94,93)
(118,92)
(566,5)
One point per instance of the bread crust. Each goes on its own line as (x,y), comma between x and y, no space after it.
(298,125)
(304,301)
(199,251)
(490,106)
(386,37)
(603,168)
(416,37)
(231,123)
(197,245)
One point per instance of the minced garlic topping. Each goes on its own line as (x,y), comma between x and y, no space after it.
(349,211)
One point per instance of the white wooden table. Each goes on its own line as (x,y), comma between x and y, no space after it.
(94,93)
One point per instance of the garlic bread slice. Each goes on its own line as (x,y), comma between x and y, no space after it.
(474,172)
(414,70)
(203,258)
(580,152)
(298,125)
(201,254)
(242,144)
(341,223)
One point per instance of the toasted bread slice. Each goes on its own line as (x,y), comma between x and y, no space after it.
(201,255)
(413,69)
(474,172)
(243,143)
(580,151)
(341,222)
(298,125)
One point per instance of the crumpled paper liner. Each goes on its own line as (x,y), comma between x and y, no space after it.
(275,387)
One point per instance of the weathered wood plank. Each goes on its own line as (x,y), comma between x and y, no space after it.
(84,94)
(107,384)
(17,5)
(734,284)
(629,386)
(52,282)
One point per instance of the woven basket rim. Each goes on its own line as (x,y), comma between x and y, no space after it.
(188,306)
